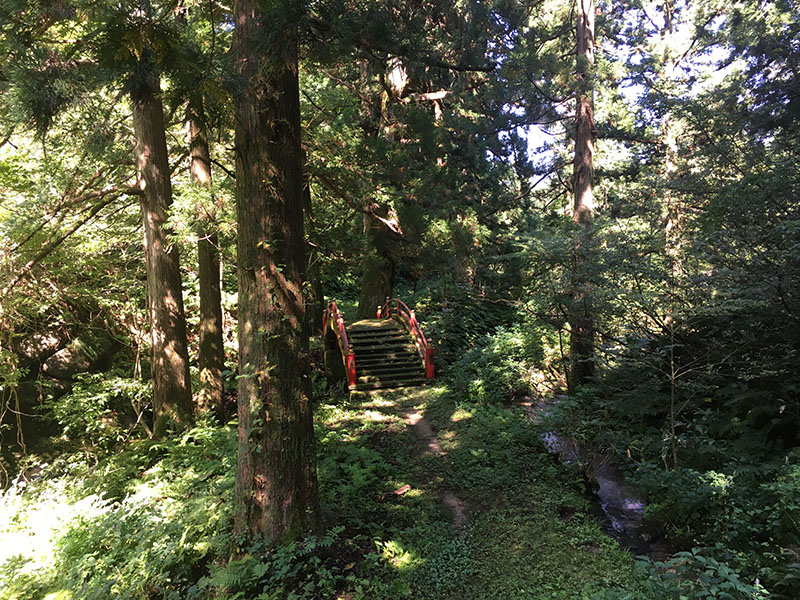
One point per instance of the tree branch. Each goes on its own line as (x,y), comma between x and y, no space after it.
(54,243)
(224,168)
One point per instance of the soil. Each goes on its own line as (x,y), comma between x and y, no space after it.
(416,421)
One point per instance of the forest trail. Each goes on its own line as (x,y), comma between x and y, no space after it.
(470,503)
(416,421)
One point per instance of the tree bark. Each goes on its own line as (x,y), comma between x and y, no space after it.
(276,482)
(581,318)
(379,264)
(211,356)
(172,393)
(315,303)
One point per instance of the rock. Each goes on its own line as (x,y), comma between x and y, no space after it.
(81,355)
(41,345)
(31,393)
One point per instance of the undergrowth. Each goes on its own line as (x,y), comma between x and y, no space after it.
(150,520)
(714,452)
(154,519)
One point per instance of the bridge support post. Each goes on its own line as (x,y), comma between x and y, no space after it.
(351,370)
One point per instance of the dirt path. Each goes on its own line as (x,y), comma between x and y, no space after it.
(416,421)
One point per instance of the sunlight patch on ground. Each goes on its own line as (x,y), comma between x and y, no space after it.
(150,491)
(379,402)
(397,556)
(30,531)
(373,415)
(447,438)
(460,414)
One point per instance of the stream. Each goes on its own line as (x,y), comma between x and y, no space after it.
(618,508)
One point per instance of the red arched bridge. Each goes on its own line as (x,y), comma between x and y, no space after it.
(388,351)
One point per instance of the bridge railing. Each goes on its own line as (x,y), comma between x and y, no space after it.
(394,307)
(333,319)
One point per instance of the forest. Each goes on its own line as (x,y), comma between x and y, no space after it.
(436,299)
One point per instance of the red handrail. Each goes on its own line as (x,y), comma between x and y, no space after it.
(409,319)
(333,317)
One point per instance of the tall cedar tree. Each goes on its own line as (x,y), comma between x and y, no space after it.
(581,319)
(211,355)
(276,481)
(379,263)
(172,393)
(118,42)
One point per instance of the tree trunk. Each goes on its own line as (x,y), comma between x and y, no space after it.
(674,227)
(379,264)
(211,357)
(172,394)
(315,302)
(276,482)
(581,318)
(669,11)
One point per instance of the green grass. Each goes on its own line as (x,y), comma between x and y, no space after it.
(529,532)
(155,519)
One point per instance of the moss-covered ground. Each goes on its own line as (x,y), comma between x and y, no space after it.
(153,520)
(528,533)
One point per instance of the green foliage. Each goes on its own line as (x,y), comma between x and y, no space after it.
(687,575)
(101,409)
(349,472)
(514,493)
(457,318)
(494,446)
(154,519)
(502,366)
(724,481)
(307,570)
(692,277)
(449,570)
(143,522)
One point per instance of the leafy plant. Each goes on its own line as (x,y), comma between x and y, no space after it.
(501,366)
(101,409)
(687,575)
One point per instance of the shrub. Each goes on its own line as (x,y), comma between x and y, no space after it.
(687,575)
(142,523)
(502,365)
(101,408)
(456,319)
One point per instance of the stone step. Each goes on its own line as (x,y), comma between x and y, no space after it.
(394,346)
(385,354)
(387,357)
(383,337)
(384,384)
(405,359)
(381,370)
(369,325)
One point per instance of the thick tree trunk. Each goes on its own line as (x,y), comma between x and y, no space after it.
(172,394)
(584,117)
(276,482)
(582,329)
(379,264)
(211,357)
